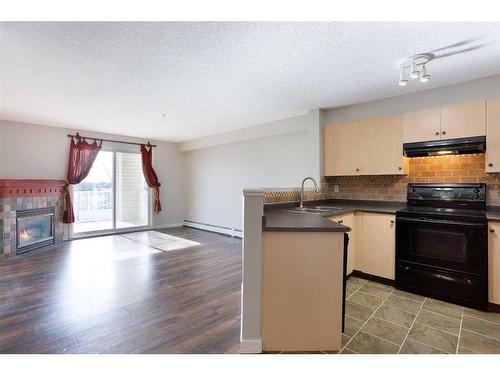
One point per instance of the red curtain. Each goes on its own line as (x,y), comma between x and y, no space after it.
(81,158)
(150,174)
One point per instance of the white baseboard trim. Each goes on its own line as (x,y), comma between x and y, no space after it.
(214,228)
(165,226)
(251,346)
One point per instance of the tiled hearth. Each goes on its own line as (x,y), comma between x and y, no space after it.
(22,195)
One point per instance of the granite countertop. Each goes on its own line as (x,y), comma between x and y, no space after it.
(278,219)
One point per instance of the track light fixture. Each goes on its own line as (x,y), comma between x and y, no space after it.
(414,67)
(424,76)
(402,78)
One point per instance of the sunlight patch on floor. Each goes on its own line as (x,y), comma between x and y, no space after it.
(161,241)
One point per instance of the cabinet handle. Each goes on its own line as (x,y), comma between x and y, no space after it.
(492,230)
(392,221)
(400,168)
(443,133)
(490,165)
(341,221)
(437,133)
(357,169)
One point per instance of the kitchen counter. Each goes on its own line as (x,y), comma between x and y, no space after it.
(280,220)
(277,219)
(493,212)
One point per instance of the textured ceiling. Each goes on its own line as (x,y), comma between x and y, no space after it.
(214,77)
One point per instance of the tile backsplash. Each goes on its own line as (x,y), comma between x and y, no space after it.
(437,169)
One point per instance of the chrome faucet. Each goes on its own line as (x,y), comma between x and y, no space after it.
(316,189)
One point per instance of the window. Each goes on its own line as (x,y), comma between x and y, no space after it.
(113,196)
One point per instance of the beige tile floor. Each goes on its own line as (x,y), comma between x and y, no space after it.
(381,319)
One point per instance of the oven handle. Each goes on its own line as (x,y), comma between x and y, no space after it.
(435,221)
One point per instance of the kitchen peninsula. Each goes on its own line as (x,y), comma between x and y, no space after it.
(293,272)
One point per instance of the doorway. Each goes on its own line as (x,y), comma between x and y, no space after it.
(113,197)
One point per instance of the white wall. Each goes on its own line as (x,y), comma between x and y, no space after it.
(35,151)
(215,175)
(460,92)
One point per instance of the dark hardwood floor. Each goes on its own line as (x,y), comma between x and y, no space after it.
(168,291)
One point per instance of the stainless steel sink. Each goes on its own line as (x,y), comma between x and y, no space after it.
(314,209)
(329,208)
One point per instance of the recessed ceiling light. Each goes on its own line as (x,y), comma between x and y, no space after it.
(164,115)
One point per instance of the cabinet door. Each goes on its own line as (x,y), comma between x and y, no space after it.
(422,125)
(463,120)
(377,254)
(370,147)
(348,220)
(494,263)
(341,149)
(390,131)
(493,135)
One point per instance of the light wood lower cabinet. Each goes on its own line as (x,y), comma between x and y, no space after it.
(349,220)
(372,243)
(492,159)
(494,263)
(377,253)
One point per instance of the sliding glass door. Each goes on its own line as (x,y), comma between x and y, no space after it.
(114,196)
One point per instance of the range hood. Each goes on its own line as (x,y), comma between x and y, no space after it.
(471,145)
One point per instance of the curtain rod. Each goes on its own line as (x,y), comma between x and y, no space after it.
(77,135)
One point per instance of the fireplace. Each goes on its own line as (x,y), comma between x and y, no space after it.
(31,214)
(35,229)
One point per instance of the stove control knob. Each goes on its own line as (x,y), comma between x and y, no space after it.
(476,191)
(476,196)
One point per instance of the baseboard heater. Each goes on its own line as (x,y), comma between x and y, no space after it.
(233,232)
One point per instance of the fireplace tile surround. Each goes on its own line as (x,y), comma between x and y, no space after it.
(20,195)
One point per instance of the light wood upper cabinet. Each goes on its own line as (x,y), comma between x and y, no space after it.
(341,149)
(494,263)
(391,137)
(493,135)
(463,120)
(381,146)
(368,147)
(377,253)
(422,125)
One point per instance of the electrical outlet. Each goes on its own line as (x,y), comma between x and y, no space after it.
(336,188)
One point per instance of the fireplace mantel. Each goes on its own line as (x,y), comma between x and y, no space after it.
(15,188)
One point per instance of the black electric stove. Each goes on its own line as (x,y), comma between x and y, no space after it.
(442,243)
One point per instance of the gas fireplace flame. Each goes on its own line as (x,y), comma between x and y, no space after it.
(24,234)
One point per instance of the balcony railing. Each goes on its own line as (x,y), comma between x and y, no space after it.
(93,205)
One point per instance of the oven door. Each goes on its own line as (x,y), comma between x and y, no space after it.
(447,244)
